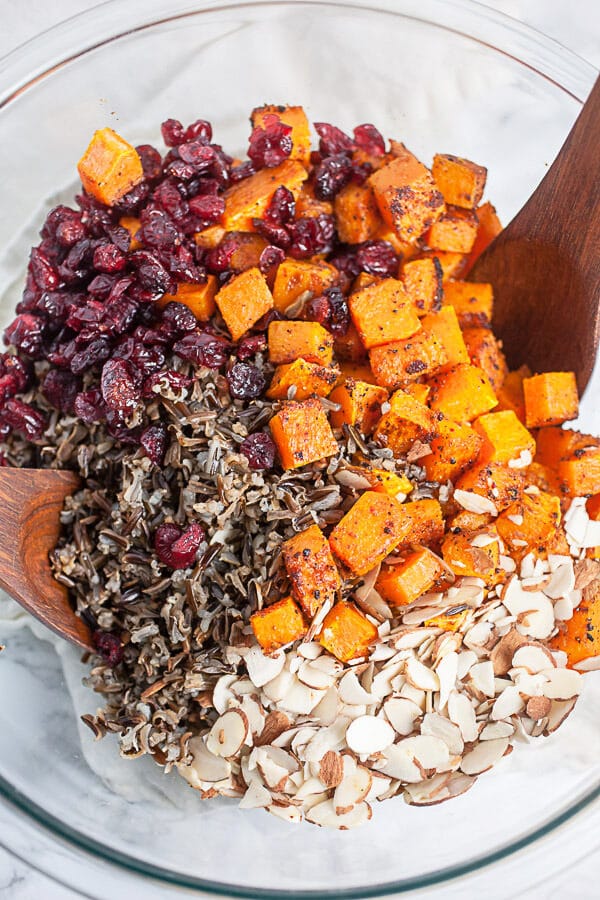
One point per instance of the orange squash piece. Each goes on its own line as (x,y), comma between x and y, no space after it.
(445,327)
(466,522)
(110,167)
(243,301)
(249,198)
(405,422)
(383,313)
(550,398)
(497,483)
(545,479)
(133,226)
(453,449)
(302,434)
(360,404)
(422,281)
(555,444)
(357,214)
(579,476)
(248,248)
(311,568)
(579,637)
(460,181)
(504,437)
(489,227)
(485,351)
(479,559)
(360,371)
(530,523)
(511,395)
(473,301)
(404,583)
(200,298)
(448,621)
(346,633)
(454,232)
(350,347)
(452,264)
(278,625)
(295,117)
(296,276)
(407,196)
(368,532)
(290,340)
(390,483)
(397,364)
(463,393)
(210,237)
(305,378)
(421,522)
(309,206)
(419,391)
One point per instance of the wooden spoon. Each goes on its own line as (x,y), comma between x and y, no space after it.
(31,501)
(545,265)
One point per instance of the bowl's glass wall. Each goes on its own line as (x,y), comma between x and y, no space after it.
(435,89)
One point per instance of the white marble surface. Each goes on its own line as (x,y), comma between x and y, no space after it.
(577,25)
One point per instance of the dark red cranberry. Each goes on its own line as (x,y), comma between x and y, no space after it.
(70,231)
(89,406)
(22,417)
(207,207)
(339,316)
(170,199)
(259,450)
(246,382)
(179,317)
(173,132)
(281,208)
(55,218)
(60,388)
(120,237)
(200,130)
(44,273)
(120,314)
(200,156)
(270,145)
(270,259)
(218,259)
(16,368)
(151,161)
(130,204)
(8,387)
(244,170)
(152,275)
(182,170)
(311,235)
(331,176)
(118,384)
(109,259)
(153,440)
(378,258)
(274,234)
(176,381)
(360,172)
(95,352)
(203,349)
(26,333)
(176,548)
(346,262)
(143,359)
(157,229)
(317,310)
(273,315)
(250,345)
(369,139)
(109,646)
(333,140)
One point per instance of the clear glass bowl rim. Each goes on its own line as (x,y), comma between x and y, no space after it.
(36,59)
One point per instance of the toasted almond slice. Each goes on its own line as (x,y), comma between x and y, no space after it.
(508,703)
(243,687)
(275,766)
(478,635)
(563,609)
(440,727)
(228,733)
(462,713)
(276,689)
(446,671)
(420,676)
(262,668)
(562,684)
(300,699)
(324,814)
(534,611)
(331,769)
(533,658)
(256,717)
(275,725)
(368,734)
(314,676)
(402,714)
(481,676)
(410,638)
(483,756)
(222,693)
(475,503)
(326,710)
(205,766)
(494,730)
(399,763)
(332,737)
(562,581)
(310,788)
(374,605)
(310,650)
(256,797)
(353,788)
(503,653)
(303,736)
(439,788)
(559,711)
(592,664)
(352,692)
(417,696)
(466,659)
(380,784)
(287,812)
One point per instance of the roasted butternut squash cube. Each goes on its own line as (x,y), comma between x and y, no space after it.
(510,394)
(296,276)
(200,298)
(421,522)
(311,568)
(419,391)
(579,476)
(406,421)
(346,633)
(390,483)
(445,327)
(289,341)
(397,364)
(454,232)
(383,313)
(460,181)
(550,398)
(452,264)
(501,485)
(453,449)
(300,380)
(405,249)
(404,583)
(488,228)
(505,439)
(579,637)
(360,404)
(110,167)
(210,237)
(422,282)
(247,251)
(243,301)
(295,117)
(350,347)
(302,434)
(485,351)
(449,621)
(475,555)
(473,301)
(407,196)
(368,532)
(309,206)
(248,199)
(544,478)
(466,522)
(278,625)
(555,444)
(357,214)
(360,371)
(462,394)
(530,523)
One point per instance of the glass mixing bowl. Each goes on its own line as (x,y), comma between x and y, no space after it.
(441,76)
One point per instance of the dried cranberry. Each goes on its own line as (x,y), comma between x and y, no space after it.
(170,380)
(179,317)
(89,406)
(120,237)
(270,258)
(369,139)
(154,443)
(55,218)
(44,273)
(200,156)
(130,204)
(60,388)
(246,382)
(177,548)
(26,333)
(173,132)
(170,199)
(281,208)
(151,161)
(15,367)
(143,359)
(333,140)
(109,646)
(244,170)
(271,145)
(109,259)
(8,387)
(378,258)
(331,176)
(311,235)
(118,384)
(203,349)
(360,172)
(346,262)
(339,316)
(208,207)
(200,130)
(317,310)
(157,229)
(70,231)
(95,352)
(24,419)
(250,345)
(274,234)
(152,275)
(217,259)
(259,450)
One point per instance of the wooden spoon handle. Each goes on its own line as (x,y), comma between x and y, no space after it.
(31,501)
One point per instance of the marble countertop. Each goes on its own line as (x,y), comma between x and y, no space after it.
(576,25)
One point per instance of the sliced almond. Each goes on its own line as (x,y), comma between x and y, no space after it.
(494,730)
(462,713)
(276,689)
(399,762)
(562,684)
(402,714)
(538,708)
(481,676)
(352,692)
(228,733)
(205,766)
(326,710)
(475,503)
(300,699)
(331,737)
(591,664)
(368,734)
(534,611)
(256,797)
(331,769)
(310,650)
(275,724)
(324,814)
(420,676)
(222,693)
(562,581)
(558,713)
(440,727)
(509,703)
(533,658)
(287,812)
(446,671)
(316,676)
(262,668)
(483,756)
(438,789)
(503,653)
(353,788)
(379,786)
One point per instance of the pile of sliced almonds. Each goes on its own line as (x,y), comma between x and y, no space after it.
(306,737)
